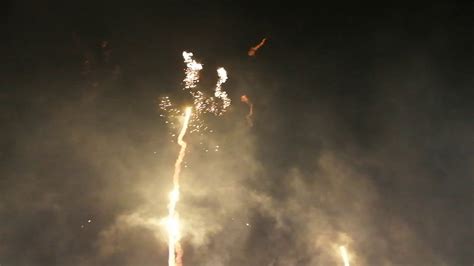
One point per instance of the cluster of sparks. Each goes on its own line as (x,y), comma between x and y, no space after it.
(217,104)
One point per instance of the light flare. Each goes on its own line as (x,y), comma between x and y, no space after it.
(175,252)
(344,255)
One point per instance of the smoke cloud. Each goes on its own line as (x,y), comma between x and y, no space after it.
(360,140)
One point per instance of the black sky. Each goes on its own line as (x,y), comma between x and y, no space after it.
(362,132)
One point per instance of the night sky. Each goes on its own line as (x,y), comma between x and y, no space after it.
(363,133)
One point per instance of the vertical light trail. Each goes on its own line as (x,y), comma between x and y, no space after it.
(344,255)
(175,252)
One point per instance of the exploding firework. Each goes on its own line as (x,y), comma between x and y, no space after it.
(344,255)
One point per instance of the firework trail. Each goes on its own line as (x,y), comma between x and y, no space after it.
(253,50)
(246,100)
(175,252)
(344,255)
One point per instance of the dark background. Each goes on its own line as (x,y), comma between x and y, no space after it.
(363,132)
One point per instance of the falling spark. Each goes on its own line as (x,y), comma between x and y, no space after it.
(246,100)
(253,50)
(175,252)
(344,255)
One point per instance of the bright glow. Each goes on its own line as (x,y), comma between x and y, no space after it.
(172,226)
(344,255)
(174,195)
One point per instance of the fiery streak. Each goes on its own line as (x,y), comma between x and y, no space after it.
(175,252)
(246,100)
(253,50)
(344,255)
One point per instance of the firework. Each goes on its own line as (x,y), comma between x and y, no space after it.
(175,252)
(216,105)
